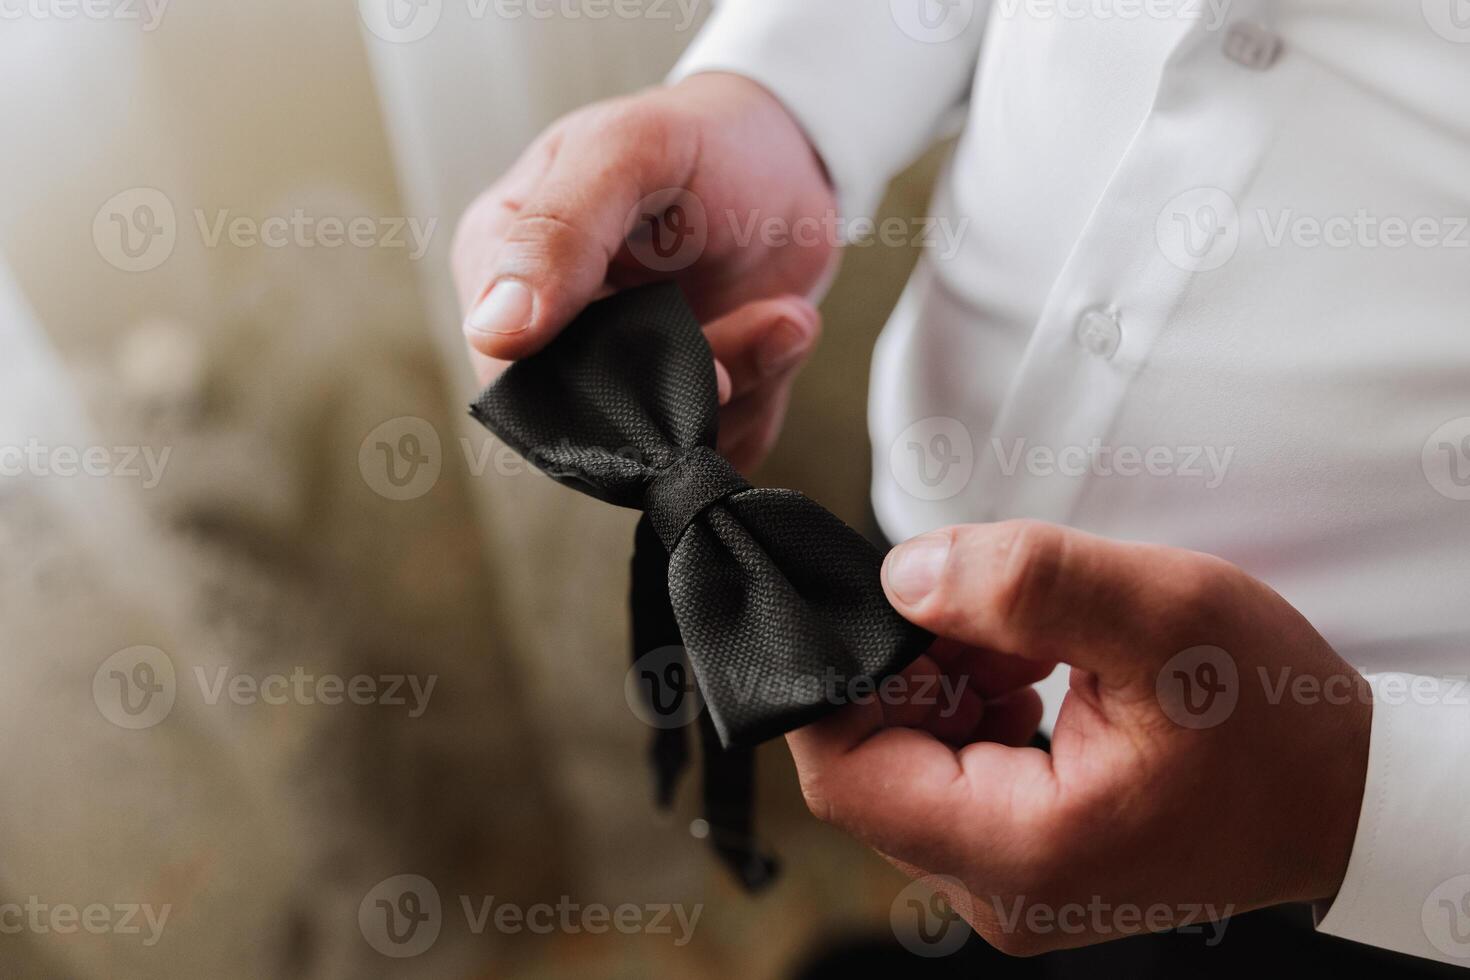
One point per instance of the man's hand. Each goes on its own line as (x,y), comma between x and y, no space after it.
(688,183)
(1211,751)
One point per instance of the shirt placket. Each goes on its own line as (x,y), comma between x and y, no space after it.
(1168,213)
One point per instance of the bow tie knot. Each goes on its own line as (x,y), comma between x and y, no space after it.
(693,484)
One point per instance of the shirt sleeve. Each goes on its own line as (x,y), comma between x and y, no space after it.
(871,81)
(1407,886)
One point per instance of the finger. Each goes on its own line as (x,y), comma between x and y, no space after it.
(487,369)
(553,257)
(764,340)
(989,674)
(907,794)
(961,708)
(924,697)
(1012,720)
(482,228)
(895,789)
(723,386)
(1040,591)
(749,426)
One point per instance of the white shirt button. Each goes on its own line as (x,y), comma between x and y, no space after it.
(1252,45)
(1100,331)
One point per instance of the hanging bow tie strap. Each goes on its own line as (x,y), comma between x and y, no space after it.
(779,603)
(671,701)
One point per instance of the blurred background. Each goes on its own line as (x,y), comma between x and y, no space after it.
(291,647)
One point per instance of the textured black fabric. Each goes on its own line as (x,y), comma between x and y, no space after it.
(777,602)
(654,628)
(729,774)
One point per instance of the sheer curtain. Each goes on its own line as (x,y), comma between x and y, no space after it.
(460,103)
(265,547)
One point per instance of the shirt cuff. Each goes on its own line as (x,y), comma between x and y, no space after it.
(1407,886)
(872,82)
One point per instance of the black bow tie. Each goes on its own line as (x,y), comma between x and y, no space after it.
(777,602)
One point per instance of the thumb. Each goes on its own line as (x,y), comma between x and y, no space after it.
(1043,592)
(604,180)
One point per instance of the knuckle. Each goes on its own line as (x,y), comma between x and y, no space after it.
(797,311)
(544,225)
(635,133)
(1195,586)
(542,239)
(817,800)
(1031,559)
(631,117)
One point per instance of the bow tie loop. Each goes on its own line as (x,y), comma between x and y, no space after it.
(694,483)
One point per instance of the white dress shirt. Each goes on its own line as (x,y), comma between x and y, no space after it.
(1211,289)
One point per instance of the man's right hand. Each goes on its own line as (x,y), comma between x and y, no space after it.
(709,182)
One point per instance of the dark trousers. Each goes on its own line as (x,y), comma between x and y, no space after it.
(1271,943)
(1268,943)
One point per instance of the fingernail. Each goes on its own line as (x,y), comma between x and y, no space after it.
(506,310)
(724,387)
(781,348)
(913,569)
